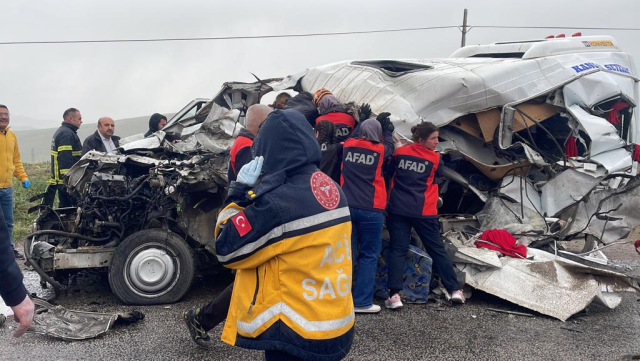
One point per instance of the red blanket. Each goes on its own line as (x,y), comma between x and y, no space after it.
(501,241)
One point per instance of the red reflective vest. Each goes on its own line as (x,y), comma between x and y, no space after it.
(361,180)
(345,124)
(240,154)
(412,192)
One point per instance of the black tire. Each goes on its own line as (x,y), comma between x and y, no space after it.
(151,267)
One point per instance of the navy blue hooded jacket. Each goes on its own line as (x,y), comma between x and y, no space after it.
(11,287)
(277,235)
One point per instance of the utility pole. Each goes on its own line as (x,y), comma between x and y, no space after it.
(464,29)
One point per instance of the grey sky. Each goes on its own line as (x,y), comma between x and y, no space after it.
(133,79)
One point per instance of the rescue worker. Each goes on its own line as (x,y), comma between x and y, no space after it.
(66,150)
(240,153)
(281,101)
(201,320)
(330,109)
(413,199)
(364,186)
(303,102)
(330,149)
(287,235)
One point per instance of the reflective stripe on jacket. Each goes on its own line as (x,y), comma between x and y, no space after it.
(10,163)
(66,150)
(291,248)
(413,192)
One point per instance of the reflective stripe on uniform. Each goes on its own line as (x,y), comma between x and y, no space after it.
(310,326)
(76,153)
(63,171)
(65,147)
(287,227)
(52,181)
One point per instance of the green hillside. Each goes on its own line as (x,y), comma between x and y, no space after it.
(35,145)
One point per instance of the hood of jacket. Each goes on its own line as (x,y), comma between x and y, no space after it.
(287,143)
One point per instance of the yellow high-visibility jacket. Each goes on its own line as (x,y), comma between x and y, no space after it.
(291,248)
(66,150)
(10,163)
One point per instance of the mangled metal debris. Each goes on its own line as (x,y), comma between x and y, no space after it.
(69,325)
(536,137)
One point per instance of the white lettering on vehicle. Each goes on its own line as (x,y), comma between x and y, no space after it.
(356,157)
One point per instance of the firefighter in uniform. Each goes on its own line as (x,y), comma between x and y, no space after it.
(288,235)
(66,150)
(413,198)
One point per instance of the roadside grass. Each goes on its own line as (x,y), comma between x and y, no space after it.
(38,174)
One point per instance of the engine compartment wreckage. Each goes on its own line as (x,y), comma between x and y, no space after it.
(537,138)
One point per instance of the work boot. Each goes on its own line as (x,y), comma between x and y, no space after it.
(198,334)
(17,254)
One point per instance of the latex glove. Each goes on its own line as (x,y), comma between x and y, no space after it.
(23,314)
(26,184)
(250,172)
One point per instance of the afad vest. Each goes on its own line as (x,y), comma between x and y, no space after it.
(361,179)
(240,155)
(345,124)
(412,192)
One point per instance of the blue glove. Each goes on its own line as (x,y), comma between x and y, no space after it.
(26,184)
(250,172)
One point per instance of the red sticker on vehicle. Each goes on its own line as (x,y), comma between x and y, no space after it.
(325,190)
(241,223)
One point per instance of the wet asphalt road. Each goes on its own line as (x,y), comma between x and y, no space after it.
(417,332)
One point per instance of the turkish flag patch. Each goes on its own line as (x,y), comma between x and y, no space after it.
(241,223)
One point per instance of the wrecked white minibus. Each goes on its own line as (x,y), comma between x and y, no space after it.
(537,138)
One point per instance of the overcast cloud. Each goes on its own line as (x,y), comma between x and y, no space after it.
(133,79)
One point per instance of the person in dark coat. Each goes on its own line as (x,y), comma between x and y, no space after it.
(102,139)
(12,289)
(330,109)
(303,102)
(330,149)
(66,150)
(156,122)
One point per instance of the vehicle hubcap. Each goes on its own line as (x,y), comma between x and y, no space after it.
(151,270)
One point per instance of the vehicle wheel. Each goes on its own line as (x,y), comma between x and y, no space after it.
(151,267)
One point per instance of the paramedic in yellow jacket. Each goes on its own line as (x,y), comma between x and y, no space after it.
(10,166)
(66,150)
(286,229)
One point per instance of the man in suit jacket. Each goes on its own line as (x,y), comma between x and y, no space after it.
(103,139)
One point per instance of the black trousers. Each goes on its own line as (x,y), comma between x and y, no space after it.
(216,311)
(428,230)
(64,198)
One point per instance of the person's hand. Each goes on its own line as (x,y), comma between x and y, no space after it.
(250,172)
(364,113)
(385,122)
(26,184)
(23,314)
